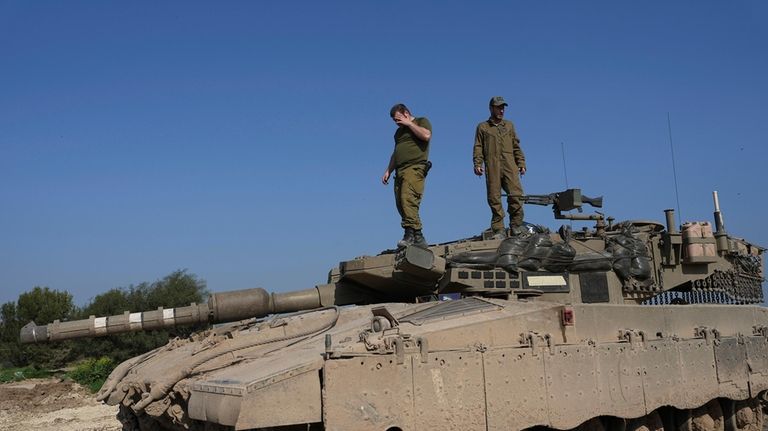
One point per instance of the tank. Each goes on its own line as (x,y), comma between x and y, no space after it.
(617,326)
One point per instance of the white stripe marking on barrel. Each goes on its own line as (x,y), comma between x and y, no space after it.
(168,315)
(134,320)
(100,325)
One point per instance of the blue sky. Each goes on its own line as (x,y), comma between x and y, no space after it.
(245,141)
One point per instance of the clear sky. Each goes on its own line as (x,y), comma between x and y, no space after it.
(245,141)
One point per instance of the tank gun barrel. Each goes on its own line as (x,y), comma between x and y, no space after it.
(221,307)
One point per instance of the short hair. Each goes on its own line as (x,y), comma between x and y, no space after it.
(398,108)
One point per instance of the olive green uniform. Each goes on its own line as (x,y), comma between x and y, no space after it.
(411,155)
(498,147)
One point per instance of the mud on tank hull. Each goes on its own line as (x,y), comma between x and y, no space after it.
(404,367)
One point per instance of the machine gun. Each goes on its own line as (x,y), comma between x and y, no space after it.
(567,200)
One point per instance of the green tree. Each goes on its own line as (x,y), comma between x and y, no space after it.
(8,321)
(114,301)
(41,305)
(175,290)
(9,332)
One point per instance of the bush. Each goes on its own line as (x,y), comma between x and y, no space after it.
(18,374)
(92,373)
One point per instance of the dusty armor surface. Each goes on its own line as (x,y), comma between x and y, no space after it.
(627,326)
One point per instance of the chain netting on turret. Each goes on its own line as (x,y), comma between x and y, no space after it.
(740,285)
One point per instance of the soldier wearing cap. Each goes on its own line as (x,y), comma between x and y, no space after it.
(498,155)
(410,160)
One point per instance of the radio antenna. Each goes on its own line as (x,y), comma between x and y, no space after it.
(674,168)
(565,171)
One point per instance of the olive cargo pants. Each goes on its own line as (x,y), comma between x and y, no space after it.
(409,187)
(504,174)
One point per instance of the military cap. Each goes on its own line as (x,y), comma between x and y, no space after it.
(497,101)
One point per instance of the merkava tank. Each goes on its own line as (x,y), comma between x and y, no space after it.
(624,326)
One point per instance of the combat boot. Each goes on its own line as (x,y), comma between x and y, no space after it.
(499,234)
(516,230)
(408,238)
(418,239)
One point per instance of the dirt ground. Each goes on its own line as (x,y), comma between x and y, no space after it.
(53,404)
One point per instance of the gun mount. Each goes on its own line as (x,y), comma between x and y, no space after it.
(535,316)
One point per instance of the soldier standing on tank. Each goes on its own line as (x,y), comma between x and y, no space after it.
(497,153)
(410,161)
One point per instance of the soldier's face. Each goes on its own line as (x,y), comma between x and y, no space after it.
(399,117)
(497,112)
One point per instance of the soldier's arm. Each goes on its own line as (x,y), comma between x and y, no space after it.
(390,169)
(477,152)
(422,132)
(519,157)
(518,151)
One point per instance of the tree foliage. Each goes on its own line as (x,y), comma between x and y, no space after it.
(9,331)
(40,305)
(43,305)
(9,321)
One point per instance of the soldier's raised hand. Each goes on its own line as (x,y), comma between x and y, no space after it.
(402,119)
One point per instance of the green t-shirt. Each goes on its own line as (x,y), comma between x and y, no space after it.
(408,148)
